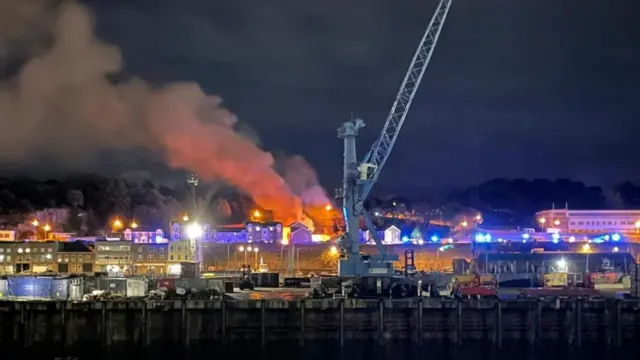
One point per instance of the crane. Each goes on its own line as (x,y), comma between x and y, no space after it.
(359,178)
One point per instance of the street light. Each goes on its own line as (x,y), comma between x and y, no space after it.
(256,214)
(134,225)
(328,207)
(185,218)
(464,223)
(333,250)
(556,222)
(35,223)
(637,226)
(46,228)
(255,251)
(194,231)
(117,224)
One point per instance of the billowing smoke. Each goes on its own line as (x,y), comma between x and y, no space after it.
(61,100)
(303,181)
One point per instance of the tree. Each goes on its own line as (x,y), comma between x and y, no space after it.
(75,198)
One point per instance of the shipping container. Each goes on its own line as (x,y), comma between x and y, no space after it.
(137,288)
(30,287)
(115,286)
(60,289)
(4,288)
(76,289)
(169,283)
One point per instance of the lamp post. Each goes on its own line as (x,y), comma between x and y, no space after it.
(255,251)
(46,228)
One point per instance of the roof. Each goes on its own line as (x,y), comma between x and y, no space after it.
(74,246)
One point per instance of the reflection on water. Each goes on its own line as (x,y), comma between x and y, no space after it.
(290,350)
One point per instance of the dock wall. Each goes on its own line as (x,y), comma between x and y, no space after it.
(195,323)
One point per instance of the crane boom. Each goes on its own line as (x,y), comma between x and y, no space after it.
(379,153)
(358,178)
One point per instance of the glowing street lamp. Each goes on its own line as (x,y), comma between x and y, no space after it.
(333,250)
(134,225)
(194,231)
(556,222)
(542,221)
(637,226)
(185,218)
(328,207)
(46,229)
(478,218)
(117,224)
(35,222)
(255,252)
(464,223)
(256,214)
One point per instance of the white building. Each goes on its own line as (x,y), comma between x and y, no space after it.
(590,221)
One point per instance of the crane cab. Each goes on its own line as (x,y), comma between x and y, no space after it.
(367,171)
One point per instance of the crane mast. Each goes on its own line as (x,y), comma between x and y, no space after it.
(358,179)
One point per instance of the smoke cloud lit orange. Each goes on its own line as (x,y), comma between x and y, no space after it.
(64,92)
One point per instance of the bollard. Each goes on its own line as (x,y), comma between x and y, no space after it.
(302,322)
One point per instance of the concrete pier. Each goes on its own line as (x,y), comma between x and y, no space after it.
(143,324)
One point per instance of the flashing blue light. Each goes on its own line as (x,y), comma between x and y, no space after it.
(480,237)
(435,238)
(606,238)
(526,236)
(615,237)
(405,239)
(555,237)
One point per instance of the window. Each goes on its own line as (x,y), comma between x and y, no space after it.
(161,257)
(161,249)
(139,257)
(73,258)
(140,249)
(87,258)
(171,257)
(149,257)
(49,250)
(149,249)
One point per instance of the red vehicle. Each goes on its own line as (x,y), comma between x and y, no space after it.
(475,286)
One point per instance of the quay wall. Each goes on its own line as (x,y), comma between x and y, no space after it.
(194,323)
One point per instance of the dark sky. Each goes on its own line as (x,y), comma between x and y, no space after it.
(522,88)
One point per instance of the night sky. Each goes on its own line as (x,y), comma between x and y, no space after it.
(514,89)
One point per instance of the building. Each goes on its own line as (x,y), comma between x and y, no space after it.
(179,232)
(74,258)
(7,255)
(590,221)
(34,257)
(7,235)
(113,256)
(150,259)
(230,234)
(270,232)
(183,251)
(145,237)
(299,234)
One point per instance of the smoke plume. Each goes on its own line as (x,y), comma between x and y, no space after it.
(62,95)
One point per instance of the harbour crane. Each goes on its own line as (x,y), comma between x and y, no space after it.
(359,178)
